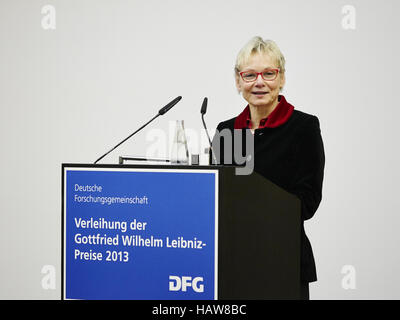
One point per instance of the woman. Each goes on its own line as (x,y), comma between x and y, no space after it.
(288,148)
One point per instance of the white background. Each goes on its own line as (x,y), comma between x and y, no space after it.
(69,94)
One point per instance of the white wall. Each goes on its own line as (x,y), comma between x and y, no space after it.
(69,94)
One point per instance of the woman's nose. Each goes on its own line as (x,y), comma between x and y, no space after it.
(259,80)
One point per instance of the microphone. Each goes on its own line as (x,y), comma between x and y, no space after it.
(162,111)
(203,111)
(169,106)
(204,106)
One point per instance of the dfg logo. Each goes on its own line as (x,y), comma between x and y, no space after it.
(177,283)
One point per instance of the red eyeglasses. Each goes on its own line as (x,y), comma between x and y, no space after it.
(267,75)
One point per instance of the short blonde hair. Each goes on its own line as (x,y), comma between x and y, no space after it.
(258,45)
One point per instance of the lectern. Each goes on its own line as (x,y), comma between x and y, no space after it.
(177,232)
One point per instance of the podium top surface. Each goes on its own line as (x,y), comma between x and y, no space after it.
(147,166)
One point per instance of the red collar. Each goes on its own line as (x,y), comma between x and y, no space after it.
(278,116)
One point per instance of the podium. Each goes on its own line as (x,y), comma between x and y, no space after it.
(169,232)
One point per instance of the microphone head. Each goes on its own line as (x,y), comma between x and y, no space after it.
(203,109)
(169,105)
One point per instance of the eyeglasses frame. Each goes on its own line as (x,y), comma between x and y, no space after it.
(260,73)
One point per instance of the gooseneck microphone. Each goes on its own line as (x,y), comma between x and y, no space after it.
(162,111)
(203,111)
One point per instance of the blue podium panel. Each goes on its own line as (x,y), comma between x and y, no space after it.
(131,233)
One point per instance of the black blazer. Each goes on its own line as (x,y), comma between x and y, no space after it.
(291,156)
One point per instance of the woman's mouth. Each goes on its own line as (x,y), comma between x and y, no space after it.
(259,93)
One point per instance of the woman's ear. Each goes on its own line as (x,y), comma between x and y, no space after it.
(283,81)
(238,84)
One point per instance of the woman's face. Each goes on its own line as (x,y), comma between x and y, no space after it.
(260,92)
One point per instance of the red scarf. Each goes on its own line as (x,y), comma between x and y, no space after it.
(278,116)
